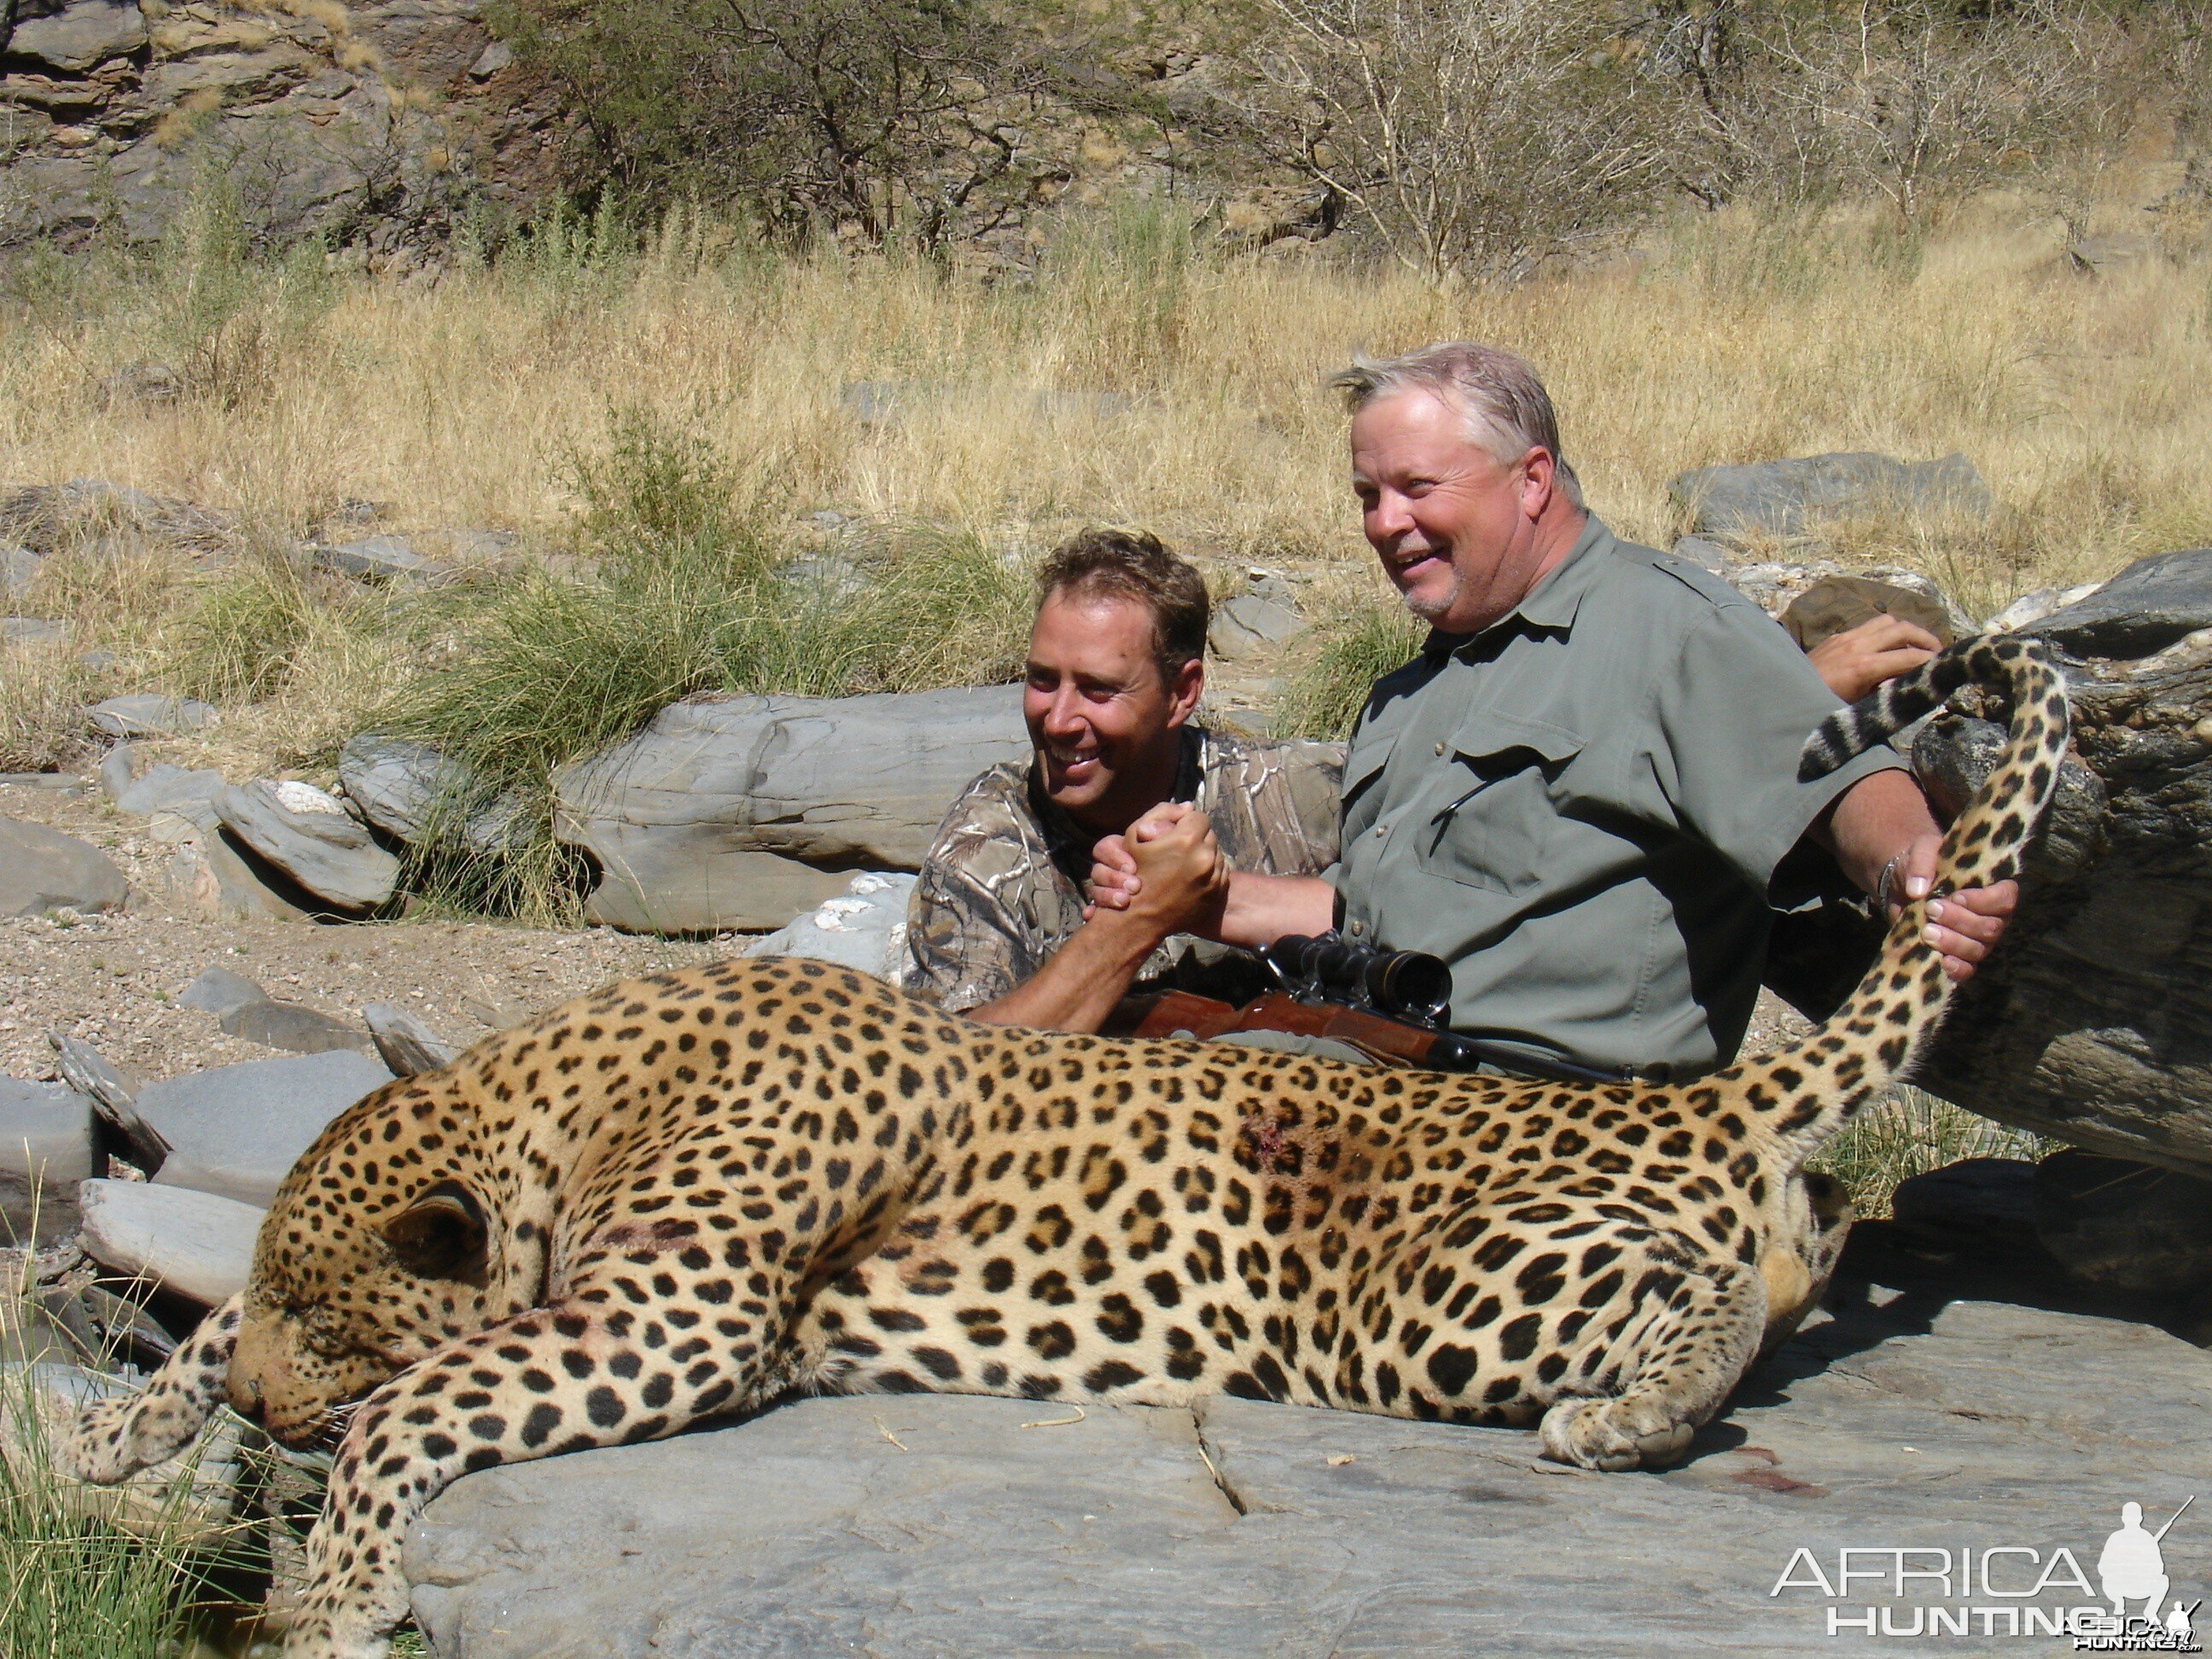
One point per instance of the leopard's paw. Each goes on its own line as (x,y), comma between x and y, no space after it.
(103,1446)
(327,1632)
(1636,1433)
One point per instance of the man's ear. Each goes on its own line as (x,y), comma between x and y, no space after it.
(1538,481)
(441,1235)
(1184,690)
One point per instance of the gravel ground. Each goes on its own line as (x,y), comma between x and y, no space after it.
(112,980)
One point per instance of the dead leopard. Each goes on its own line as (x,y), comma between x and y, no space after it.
(686,1195)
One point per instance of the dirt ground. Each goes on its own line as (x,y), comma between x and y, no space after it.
(112,980)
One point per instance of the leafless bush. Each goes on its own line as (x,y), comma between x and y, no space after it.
(1470,137)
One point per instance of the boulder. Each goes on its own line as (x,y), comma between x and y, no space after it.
(77,35)
(1976,1201)
(236,1130)
(2035,606)
(47,1148)
(213,875)
(199,1245)
(741,811)
(1250,628)
(1775,499)
(150,714)
(1700,551)
(310,836)
(42,869)
(2147,607)
(863,927)
(402,788)
(921,1524)
(2128,1226)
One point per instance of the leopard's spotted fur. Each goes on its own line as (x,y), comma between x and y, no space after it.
(680,1196)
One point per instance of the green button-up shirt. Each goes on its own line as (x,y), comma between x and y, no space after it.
(1580,809)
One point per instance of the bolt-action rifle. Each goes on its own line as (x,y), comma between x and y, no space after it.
(1389,1005)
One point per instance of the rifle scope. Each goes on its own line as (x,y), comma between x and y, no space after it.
(1403,985)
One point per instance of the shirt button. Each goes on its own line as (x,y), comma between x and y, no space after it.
(1440,749)
(1357,929)
(1380,830)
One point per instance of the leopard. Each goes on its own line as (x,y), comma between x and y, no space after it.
(690,1196)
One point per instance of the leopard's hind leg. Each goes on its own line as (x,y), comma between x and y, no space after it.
(1684,1363)
(116,1439)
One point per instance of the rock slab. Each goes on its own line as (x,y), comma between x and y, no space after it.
(2147,607)
(42,869)
(743,812)
(45,1150)
(916,1524)
(237,1130)
(308,836)
(1763,499)
(196,1244)
(150,714)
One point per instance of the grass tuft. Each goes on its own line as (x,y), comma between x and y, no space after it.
(1889,1144)
(1355,647)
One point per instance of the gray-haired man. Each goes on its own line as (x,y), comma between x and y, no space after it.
(1578,793)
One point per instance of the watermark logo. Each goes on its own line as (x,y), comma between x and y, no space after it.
(2006,1590)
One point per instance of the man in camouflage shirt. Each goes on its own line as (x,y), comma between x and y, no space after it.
(996,926)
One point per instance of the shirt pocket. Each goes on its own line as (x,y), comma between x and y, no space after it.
(1495,808)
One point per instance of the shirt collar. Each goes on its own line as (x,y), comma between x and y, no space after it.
(1552,602)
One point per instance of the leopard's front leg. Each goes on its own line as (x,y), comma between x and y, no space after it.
(116,1439)
(553,1380)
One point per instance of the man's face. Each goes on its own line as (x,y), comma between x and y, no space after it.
(1453,526)
(1103,723)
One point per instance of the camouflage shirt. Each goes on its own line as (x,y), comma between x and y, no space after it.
(1002,888)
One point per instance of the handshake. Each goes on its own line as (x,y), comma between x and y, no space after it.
(1167,873)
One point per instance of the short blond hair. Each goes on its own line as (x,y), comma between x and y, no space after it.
(1508,412)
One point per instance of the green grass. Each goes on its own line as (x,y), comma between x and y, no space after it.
(683,590)
(1353,649)
(1890,1143)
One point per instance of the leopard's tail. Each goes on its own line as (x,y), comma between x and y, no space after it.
(1808,1090)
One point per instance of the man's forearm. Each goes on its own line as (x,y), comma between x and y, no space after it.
(1078,987)
(1262,908)
(1874,821)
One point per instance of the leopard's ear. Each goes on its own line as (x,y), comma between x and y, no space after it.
(442,1234)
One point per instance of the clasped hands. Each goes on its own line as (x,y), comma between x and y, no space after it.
(1168,870)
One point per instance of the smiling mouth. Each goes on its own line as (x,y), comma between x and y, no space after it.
(1406,569)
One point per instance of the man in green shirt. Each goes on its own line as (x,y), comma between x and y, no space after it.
(1578,793)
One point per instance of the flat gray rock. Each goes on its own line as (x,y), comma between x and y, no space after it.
(197,1244)
(1250,628)
(307,835)
(166,788)
(217,991)
(2147,607)
(150,714)
(916,1524)
(863,927)
(46,1150)
(237,1130)
(292,1025)
(1789,498)
(375,559)
(210,877)
(723,811)
(35,631)
(42,869)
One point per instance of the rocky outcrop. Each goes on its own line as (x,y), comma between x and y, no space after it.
(1768,499)
(366,123)
(741,811)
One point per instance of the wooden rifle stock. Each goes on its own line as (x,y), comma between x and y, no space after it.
(1183,1014)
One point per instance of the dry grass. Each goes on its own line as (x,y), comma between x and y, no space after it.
(2085,401)
(1910,1134)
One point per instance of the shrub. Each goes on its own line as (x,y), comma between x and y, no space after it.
(42,695)
(1354,649)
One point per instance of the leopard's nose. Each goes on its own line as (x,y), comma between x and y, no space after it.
(246,1399)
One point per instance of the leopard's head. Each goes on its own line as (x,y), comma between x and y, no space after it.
(383,1243)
